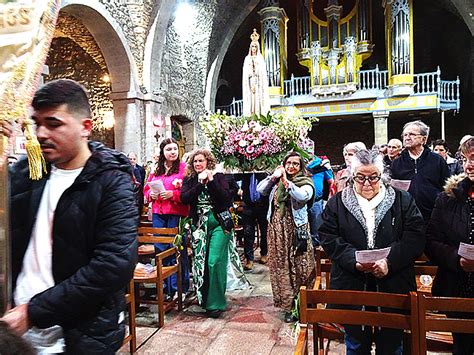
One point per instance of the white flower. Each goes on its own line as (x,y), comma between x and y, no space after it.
(257,127)
(243,143)
(256,141)
(245,127)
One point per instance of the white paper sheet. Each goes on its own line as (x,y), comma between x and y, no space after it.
(400,184)
(156,186)
(371,256)
(466,251)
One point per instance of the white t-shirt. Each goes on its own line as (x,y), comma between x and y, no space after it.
(37,272)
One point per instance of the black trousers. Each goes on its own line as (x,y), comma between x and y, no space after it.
(250,217)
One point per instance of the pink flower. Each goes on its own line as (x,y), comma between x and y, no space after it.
(250,137)
(263,135)
(177,183)
(238,137)
(250,149)
(252,124)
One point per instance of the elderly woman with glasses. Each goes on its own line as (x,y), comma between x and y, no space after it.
(372,215)
(449,226)
(291,259)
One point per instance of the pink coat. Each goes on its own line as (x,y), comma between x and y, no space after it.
(174,204)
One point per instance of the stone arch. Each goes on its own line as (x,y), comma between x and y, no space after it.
(213,74)
(466,11)
(155,44)
(111,41)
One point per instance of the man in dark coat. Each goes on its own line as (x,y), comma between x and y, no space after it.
(426,171)
(139,174)
(254,213)
(73,232)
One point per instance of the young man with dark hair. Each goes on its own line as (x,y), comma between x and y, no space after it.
(440,147)
(73,232)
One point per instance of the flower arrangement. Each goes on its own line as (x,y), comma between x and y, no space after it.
(256,143)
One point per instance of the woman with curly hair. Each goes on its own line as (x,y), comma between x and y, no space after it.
(209,195)
(167,206)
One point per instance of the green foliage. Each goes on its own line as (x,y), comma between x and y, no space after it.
(256,143)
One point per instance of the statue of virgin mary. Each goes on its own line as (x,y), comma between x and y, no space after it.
(254,81)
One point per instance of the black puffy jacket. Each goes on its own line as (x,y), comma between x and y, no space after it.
(449,225)
(94,249)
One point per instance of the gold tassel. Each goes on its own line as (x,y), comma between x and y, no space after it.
(36,160)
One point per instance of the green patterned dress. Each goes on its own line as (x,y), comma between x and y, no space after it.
(211,248)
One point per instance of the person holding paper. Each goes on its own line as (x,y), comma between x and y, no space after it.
(371,216)
(163,190)
(425,171)
(450,234)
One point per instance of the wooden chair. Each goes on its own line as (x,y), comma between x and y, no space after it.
(429,321)
(329,331)
(131,338)
(149,235)
(312,313)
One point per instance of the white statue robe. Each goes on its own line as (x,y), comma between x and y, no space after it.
(255,86)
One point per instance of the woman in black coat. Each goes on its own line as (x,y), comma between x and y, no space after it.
(208,193)
(451,224)
(372,215)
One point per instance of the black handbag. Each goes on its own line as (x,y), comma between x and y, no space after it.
(301,239)
(225,220)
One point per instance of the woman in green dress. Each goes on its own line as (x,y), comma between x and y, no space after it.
(208,194)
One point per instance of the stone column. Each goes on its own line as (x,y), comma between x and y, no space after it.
(274,48)
(134,113)
(399,43)
(380,126)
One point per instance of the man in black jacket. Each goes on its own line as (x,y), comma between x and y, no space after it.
(426,171)
(73,232)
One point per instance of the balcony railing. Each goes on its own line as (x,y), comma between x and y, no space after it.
(376,81)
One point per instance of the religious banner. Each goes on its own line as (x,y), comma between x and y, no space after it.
(26,30)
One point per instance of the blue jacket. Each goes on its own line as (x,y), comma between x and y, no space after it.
(428,175)
(299,197)
(319,175)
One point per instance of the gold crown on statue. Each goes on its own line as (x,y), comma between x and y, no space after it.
(254,36)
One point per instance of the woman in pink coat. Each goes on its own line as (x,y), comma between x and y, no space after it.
(167,207)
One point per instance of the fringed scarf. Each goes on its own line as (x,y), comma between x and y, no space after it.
(282,193)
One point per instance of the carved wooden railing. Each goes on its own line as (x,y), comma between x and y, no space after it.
(377,81)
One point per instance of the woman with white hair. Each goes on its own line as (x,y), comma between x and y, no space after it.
(342,176)
(372,215)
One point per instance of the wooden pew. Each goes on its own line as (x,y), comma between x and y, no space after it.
(312,314)
(429,321)
(149,235)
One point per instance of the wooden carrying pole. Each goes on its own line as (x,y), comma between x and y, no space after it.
(24,46)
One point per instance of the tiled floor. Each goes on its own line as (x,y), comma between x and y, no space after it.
(251,325)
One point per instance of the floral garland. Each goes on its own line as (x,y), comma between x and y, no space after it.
(256,143)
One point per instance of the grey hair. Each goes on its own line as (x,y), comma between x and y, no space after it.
(355,146)
(424,128)
(367,157)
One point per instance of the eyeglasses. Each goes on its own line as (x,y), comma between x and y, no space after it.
(411,135)
(293,163)
(467,161)
(361,179)
(393,147)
